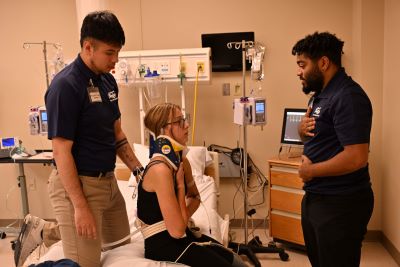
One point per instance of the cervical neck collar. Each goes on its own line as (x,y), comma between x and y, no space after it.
(166,147)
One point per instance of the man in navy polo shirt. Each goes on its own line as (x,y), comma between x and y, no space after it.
(85,128)
(338,202)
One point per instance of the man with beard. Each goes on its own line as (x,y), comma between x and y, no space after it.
(338,200)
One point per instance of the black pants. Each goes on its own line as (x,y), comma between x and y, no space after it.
(334,227)
(192,255)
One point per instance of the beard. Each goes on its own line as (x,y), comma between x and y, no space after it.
(313,81)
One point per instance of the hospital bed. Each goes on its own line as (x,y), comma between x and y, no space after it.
(206,175)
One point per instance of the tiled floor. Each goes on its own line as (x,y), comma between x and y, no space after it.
(6,253)
(373,254)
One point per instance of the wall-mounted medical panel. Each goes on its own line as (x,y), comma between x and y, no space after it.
(134,66)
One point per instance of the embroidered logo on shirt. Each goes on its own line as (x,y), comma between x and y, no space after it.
(112,96)
(317,111)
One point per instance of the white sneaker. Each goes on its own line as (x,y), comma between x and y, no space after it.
(29,238)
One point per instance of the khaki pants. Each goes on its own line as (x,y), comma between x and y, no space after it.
(108,207)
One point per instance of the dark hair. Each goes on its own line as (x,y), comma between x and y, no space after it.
(318,45)
(103,26)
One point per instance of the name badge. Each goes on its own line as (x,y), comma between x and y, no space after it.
(94,93)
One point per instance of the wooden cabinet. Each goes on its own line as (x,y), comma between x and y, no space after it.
(285,193)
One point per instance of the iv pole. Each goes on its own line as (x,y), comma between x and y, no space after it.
(246,248)
(27,45)
(246,208)
(243,44)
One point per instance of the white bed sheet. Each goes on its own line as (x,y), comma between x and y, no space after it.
(206,218)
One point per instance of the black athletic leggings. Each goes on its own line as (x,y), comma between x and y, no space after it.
(195,255)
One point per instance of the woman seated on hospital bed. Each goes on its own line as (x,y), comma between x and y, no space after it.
(168,196)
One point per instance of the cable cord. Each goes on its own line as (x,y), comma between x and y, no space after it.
(8,208)
(195,104)
(196,243)
(234,197)
(265,225)
(253,228)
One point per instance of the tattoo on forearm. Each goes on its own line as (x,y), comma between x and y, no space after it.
(126,154)
(121,143)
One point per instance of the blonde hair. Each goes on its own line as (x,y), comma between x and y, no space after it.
(159,116)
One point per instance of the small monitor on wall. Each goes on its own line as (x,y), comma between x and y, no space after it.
(43,121)
(223,58)
(291,119)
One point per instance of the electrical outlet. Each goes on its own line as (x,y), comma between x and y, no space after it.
(200,66)
(164,67)
(226,89)
(238,90)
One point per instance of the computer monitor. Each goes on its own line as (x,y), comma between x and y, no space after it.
(8,142)
(291,119)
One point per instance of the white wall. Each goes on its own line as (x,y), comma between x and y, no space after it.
(179,24)
(391,128)
(23,84)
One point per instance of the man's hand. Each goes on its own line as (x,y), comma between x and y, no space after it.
(306,125)
(305,169)
(85,223)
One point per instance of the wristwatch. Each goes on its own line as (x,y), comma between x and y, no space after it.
(137,171)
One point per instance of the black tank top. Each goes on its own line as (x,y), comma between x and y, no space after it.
(148,209)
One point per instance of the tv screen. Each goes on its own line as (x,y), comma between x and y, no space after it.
(223,58)
(291,119)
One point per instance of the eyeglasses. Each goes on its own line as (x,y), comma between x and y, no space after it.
(182,121)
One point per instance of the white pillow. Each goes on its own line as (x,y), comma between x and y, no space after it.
(130,197)
(142,153)
(197,156)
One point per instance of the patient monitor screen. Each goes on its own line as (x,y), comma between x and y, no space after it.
(43,121)
(260,107)
(291,120)
(43,116)
(260,111)
(8,142)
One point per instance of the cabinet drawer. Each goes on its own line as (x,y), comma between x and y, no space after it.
(288,177)
(286,228)
(286,200)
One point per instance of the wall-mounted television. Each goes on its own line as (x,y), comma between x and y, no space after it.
(291,119)
(223,58)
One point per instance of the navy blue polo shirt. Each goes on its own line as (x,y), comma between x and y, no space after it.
(343,116)
(71,115)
